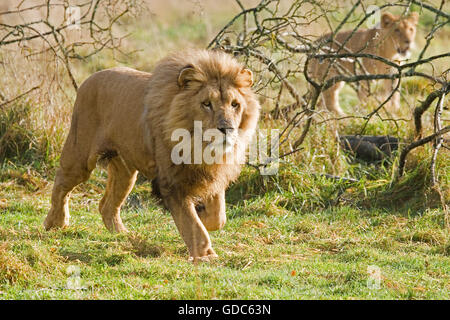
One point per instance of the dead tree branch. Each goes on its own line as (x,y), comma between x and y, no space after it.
(69,30)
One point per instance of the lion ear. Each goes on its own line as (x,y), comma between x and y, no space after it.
(245,78)
(387,19)
(186,74)
(414,17)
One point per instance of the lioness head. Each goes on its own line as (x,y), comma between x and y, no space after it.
(214,92)
(402,32)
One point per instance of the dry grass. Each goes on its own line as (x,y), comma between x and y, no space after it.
(13,269)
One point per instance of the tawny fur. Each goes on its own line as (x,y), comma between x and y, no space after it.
(392,40)
(128,116)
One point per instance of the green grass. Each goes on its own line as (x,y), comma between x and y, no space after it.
(291,242)
(296,235)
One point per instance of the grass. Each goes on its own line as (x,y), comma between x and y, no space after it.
(295,235)
(291,242)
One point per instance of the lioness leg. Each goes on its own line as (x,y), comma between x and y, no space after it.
(363,91)
(213,215)
(121,180)
(66,179)
(331,99)
(190,227)
(388,87)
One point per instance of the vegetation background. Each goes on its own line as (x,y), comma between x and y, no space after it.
(294,235)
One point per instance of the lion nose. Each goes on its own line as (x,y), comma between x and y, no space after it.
(225,130)
(225,126)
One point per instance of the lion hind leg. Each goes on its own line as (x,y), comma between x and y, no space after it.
(65,181)
(121,180)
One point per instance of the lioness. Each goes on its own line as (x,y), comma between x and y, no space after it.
(393,41)
(127,117)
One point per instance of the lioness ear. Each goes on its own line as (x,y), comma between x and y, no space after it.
(245,78)
(414,17)
(387,19)
(186,74)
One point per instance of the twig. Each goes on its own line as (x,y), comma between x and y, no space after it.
(18,97)
(439,139)
(420,110)
(416,144)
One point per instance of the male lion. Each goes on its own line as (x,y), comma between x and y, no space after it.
(127,117)
(393,41)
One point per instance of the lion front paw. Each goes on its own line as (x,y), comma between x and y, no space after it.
(115,225)
(56,220)
(207,257)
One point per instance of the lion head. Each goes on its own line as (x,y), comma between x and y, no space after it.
(401,31)
(212,90)
(208,91)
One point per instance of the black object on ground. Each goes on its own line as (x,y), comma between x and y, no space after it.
(369,148)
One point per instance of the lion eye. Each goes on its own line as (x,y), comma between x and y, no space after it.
(397,30)
(235,104)
(207,105)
